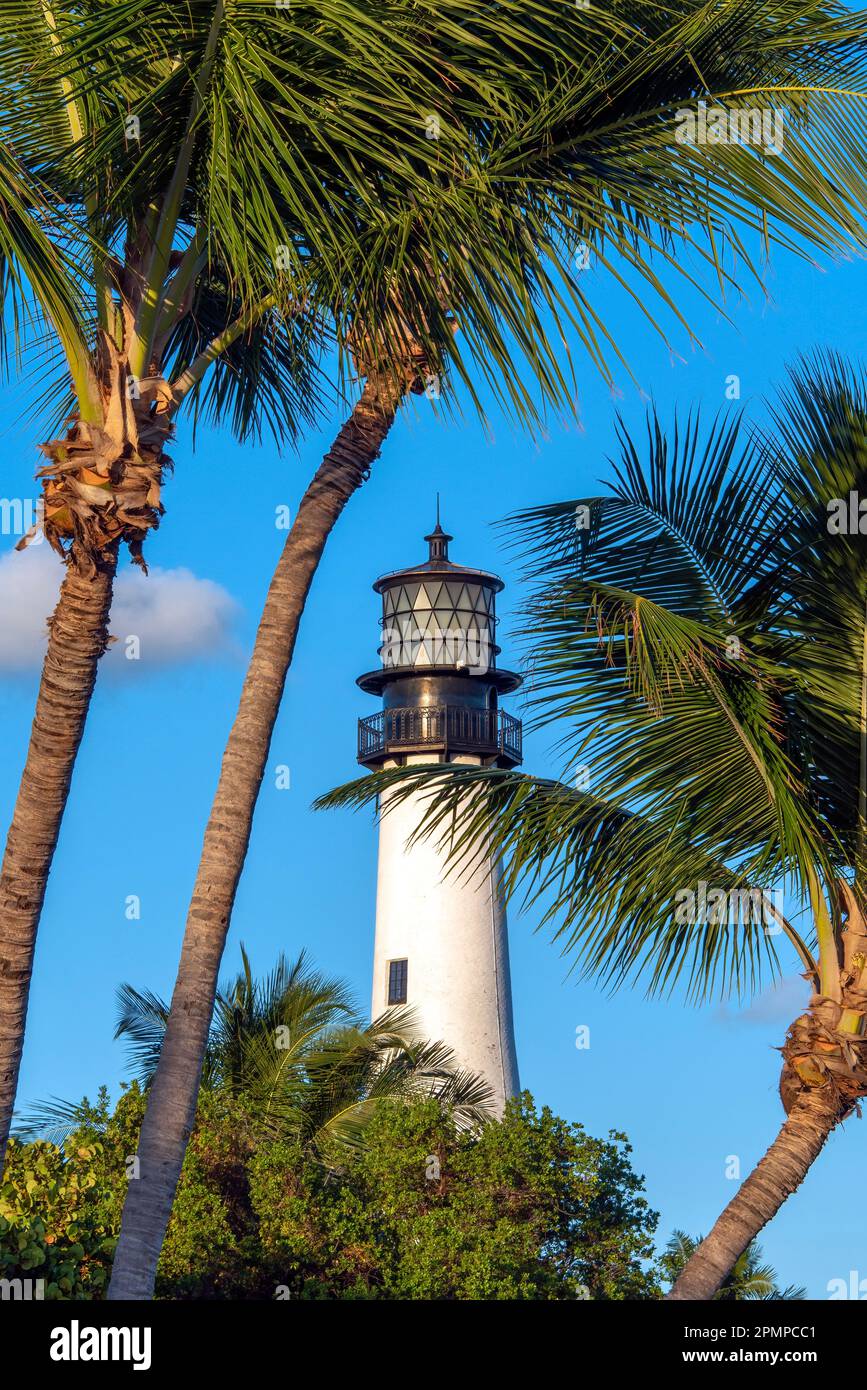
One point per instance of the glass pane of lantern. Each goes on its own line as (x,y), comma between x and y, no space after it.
(434,592)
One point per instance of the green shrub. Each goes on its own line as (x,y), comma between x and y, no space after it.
(529,1208)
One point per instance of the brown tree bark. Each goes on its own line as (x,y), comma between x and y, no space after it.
(172,1101)
(78,636)
(783,1168)
(824,1078)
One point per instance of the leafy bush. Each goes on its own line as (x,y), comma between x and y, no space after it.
(60,1208)
(529,1208)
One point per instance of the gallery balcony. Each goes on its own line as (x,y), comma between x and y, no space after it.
(440,729)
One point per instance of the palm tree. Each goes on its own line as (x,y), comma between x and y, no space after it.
(701,640)
(201,200)
(293,1050)
(573,151)
(294,1047)
(35,280)
(157,274)
(748,1280)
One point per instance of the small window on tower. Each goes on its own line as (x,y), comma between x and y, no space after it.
(397,981)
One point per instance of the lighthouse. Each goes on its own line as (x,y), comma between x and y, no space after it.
(441,944)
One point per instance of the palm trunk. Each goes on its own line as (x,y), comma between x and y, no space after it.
(77,639)
(824,1078)
(783,1168)
(172,1102)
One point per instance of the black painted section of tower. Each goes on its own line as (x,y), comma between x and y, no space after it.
(439,681)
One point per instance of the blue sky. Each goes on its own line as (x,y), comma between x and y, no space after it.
(689,1086)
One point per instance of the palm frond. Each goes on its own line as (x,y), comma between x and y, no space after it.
(311,178)
(610,881)
(141,1019)
(39,276)
(292,1049)
(53,1120)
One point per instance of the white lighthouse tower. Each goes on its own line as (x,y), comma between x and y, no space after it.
(441,939)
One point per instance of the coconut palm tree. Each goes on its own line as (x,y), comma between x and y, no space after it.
(36,281)
(573,157)
(110,129)
(750,1279)
(223,189)
(699,638)
(292,1047)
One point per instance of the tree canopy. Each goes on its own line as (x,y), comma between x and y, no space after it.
(529,1207)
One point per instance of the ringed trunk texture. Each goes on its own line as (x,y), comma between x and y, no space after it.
(782,1170)
(78,637)
(101,488)
(823,1080)
(171,1104)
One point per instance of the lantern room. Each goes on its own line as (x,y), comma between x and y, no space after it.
(438,675)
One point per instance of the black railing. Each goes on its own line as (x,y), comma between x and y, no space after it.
(441,728)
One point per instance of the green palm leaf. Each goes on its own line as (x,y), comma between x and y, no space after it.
(292,148)
(291,1047)
(698,642)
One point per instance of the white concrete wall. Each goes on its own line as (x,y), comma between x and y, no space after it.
(453,933)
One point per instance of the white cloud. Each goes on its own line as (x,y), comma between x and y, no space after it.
(778,1003)
(175,616)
